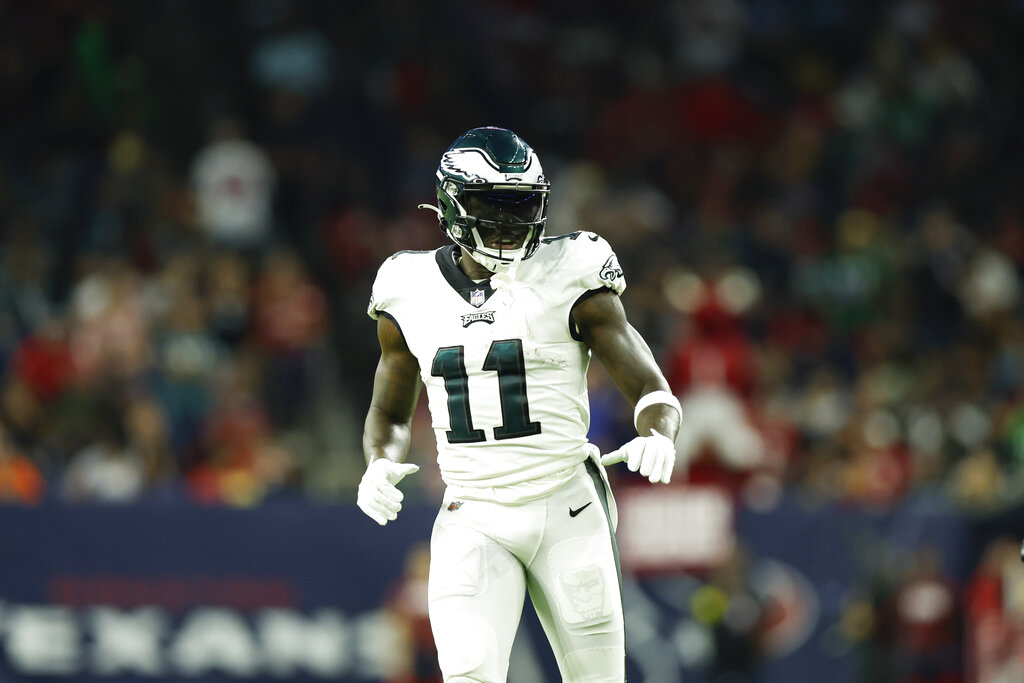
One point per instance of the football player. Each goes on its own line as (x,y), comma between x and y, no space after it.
(500,327)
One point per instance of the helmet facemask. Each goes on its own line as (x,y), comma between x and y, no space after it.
(499,226)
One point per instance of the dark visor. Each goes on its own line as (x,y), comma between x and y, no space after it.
(505,206)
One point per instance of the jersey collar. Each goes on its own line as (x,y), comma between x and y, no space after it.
(475,293)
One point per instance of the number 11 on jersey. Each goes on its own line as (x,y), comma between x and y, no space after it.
(505,357)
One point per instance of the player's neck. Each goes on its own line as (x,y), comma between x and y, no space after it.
(470,267)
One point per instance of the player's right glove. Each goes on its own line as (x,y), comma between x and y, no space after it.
(653,455)
(378,496)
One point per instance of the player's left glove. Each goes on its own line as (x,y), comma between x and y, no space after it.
(654,456)
(378,496)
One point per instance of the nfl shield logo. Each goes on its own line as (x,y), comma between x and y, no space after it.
(476,297)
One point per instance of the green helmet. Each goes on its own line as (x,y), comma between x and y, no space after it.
(492,197)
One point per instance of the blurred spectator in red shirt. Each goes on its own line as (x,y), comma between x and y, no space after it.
(927,619)
(712,371)
(43,360)
(995,615)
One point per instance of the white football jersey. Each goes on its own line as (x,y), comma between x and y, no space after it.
(504,368)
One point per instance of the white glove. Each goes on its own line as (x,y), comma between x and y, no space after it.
(654,456)
(378,496)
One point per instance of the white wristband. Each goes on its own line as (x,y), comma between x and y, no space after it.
(656,397)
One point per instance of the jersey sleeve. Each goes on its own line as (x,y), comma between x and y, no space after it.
(598,266)
(385,288)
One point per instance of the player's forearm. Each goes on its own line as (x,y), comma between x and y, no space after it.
(385,438)
(661,417)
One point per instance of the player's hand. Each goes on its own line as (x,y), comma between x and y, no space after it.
(654,456)
(378,496)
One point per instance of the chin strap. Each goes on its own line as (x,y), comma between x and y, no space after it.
(504,284)
(503,281)
(433,208)
(514,268)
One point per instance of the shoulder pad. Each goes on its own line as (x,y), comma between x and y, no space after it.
(392,278)
(589,260)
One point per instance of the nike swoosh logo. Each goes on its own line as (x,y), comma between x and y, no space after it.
(573,513)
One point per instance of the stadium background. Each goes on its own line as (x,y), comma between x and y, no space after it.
(818,209)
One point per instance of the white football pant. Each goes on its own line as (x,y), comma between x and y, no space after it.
(485,555)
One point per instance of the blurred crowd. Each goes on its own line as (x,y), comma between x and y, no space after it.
(817,206)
